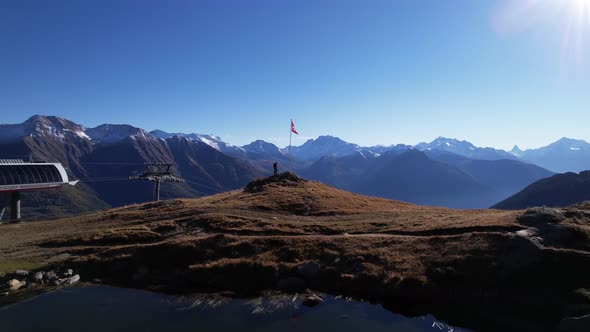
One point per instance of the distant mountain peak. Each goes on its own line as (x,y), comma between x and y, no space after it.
(110,133)
(516,150)
(43,126)
(464,148)
(565,140)
(213,141)
(325,145)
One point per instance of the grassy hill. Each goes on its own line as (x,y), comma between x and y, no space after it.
(558,190)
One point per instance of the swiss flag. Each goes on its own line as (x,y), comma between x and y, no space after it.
(293,130)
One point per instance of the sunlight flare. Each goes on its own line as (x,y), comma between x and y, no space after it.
(570,17)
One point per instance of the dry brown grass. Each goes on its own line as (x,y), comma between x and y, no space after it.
(371,247)
(303,208)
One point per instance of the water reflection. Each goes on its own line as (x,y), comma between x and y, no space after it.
(102,308)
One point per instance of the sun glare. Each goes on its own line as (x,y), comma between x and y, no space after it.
(570,17)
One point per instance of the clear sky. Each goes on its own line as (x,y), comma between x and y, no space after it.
(496,73)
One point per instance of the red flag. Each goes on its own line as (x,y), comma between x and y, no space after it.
(293,130)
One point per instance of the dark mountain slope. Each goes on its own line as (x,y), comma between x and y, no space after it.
(110,165)
(200,163)
(557,190)
(504,176)
(55,203)
(341,172)
(413,177)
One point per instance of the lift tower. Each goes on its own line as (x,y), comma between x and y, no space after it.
(159,172)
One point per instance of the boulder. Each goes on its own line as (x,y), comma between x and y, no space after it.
(68,272)
(291,284)
(72,280)
(15,284)
(51,275)
(518,253)
(312,300)
(540,215)
(23,273)
(38,276)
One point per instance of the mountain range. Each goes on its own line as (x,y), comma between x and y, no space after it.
(445,172)
(564,155)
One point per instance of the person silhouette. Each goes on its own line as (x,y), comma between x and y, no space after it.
(276,167)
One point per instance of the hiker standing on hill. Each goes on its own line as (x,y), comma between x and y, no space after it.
(276,167)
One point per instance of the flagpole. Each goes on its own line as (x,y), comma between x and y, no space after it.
(290,134)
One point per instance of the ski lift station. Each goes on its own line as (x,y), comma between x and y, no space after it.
(17,175)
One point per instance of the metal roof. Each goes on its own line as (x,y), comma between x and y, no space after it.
(19,175)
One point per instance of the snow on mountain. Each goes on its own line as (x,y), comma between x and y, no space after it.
(211,140)
(516,151)
(323,146)
(39,126)
(262,147)
(164,135)
(561,156)
(110,133)
(464,148)
(564,155)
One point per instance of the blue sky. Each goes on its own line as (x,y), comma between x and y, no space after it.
(370,72)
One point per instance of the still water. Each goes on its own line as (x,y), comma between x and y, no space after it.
(102,308)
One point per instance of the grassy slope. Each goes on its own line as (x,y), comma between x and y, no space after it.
(55,203)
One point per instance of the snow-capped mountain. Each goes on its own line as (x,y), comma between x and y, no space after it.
(395,149)
(110,133)
(211,140)
(260,147)
(516,151)
(564,155)
(464,148)
(43,126)
(323,146)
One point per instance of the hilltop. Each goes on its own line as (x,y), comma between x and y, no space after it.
(286,233)
(557,190)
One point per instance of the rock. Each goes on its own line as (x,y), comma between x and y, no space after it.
(15,284)
(38,276)
(291,284)
(312,300)
(528,232)
(51,275)
(23,273)
(574,214)
(309,270)
(575,324)
(539,215)
(519,253)
(5,293)
(73,279)
(68,273)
